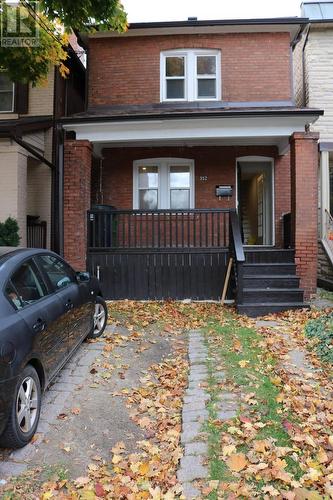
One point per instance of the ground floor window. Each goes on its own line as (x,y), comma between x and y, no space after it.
(163,183)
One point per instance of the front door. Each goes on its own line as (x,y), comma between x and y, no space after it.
(255,201)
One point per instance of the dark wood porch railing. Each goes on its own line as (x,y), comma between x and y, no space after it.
(160,229)
(36,234)
(237,253)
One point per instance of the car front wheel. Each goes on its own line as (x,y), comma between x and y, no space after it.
(25,410)
(100,318)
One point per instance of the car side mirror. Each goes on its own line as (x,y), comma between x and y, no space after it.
(83,277)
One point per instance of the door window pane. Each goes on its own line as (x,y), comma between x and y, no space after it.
(148,177)
(206,65)
(148,199)
(175,66)
(179,176)
(28,283)
(58,272)
(207,88)
(175,89)
(179,199)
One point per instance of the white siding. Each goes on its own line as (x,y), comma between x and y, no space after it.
(319,78)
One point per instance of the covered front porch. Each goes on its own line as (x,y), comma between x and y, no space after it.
(170,201)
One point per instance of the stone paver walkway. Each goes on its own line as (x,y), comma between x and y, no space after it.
(193,465)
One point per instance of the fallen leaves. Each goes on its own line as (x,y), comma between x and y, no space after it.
(237,462)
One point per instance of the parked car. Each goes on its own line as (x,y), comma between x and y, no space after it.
(46,311)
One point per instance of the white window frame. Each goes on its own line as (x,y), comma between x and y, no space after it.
(190,72)
(163,165)
(13,99)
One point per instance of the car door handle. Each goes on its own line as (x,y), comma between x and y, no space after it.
(39,326)
(69,305)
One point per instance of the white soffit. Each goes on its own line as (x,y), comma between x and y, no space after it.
(196,129)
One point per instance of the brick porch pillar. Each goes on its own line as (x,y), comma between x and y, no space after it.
(77,195)
(304,207)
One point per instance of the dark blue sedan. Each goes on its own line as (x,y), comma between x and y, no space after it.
(46,311)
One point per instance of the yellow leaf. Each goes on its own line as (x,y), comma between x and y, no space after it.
(237,462)
(310,441)
(228,450)
(243,362)
(322,456)
(116,459)
(276,380)
(261,446)
(144,468)
(47,495)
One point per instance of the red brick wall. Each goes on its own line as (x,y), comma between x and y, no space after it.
(255,66)
(304,205)
(77,181)
(217,163)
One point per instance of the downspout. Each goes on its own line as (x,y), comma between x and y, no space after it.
(58,191)
(57,195)
(303,64)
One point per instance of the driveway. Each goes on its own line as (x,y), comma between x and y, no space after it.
(84,412)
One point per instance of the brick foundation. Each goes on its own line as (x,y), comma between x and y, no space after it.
(304,207)
(77,194)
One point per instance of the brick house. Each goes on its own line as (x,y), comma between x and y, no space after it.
(28,149)
(192,150)
(313,87)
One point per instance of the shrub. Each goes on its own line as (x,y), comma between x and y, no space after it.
(9,233)
(321,331)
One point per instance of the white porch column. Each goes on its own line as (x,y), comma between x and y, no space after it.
(13,186)
(324,188)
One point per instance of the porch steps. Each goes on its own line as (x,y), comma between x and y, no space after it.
(270,282)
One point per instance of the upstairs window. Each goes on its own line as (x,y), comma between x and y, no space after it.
(6,93)
(191,75)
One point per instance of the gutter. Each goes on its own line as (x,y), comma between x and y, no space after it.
(220,22)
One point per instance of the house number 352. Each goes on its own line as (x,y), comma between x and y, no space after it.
(203,178)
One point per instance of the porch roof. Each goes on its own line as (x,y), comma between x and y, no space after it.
(191,124)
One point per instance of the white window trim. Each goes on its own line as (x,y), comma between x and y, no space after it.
(163,165)
(191,77)
(13,99)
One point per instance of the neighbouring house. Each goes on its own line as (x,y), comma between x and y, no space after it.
(29,188)
(192,149)
(313,57)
